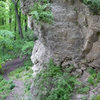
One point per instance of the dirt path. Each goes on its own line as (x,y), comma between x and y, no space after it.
(12,65)
(18,92)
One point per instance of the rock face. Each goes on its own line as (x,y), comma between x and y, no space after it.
(73,36)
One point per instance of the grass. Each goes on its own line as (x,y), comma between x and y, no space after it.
(83,90)
(22,73)
(5,87)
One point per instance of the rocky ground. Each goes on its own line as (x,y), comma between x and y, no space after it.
(93,90)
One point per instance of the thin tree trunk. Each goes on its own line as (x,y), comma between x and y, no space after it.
(2,21)
(15,24)
(19,22)
(25,23)
(10,20)
(18,19)
(15,28)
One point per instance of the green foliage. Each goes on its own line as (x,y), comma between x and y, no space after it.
(1,78)
(92,71)
(84,98)
(83,89)
(94,5)
(98,77)
(27,48)
(96,97)
(3,9)
(54,84)
(42,12)
(11,48)
(28,86)
(0,66)
(22,73)
(6,39)
(5,87)
(91,80)
(29,35)
(94,76)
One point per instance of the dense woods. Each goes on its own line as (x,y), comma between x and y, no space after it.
(14,32)
(16,43)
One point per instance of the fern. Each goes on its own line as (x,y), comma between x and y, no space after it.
(54,84)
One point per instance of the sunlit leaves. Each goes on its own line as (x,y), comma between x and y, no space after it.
(3,9)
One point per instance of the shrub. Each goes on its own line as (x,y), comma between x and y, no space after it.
(54,84)
(5,87)
(27,48)
(94,5)
(41,12)
(6,39)
(91,80)
(83,90)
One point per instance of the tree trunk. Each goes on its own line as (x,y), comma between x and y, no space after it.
(19,21)
(2,21)
(25,23)
(10,20)
(15,28)
(15,24)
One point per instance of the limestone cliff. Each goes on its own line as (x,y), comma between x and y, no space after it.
(73,37)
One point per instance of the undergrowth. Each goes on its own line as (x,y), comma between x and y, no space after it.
(94,5)
(11,47)
(94,78)
(54,84)
(5,87)
(22,73)
(41,11)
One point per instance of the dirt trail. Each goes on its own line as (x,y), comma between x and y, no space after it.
(12,65)
(18,92)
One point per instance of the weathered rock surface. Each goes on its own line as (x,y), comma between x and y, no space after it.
(73,36)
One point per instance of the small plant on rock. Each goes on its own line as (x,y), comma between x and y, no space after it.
(91,80)
(42,12)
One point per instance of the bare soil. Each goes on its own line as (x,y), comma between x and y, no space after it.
(18,92)
(12,65)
